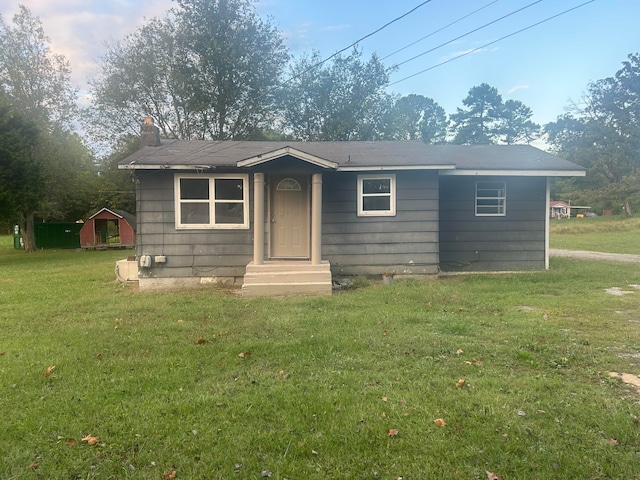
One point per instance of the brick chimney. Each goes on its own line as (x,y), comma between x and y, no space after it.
(149,134)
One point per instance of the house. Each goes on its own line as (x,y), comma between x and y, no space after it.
(109,227)
(559,209)
(286,217)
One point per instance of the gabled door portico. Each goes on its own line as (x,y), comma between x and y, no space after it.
(294,223)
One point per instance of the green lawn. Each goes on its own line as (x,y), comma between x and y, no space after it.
(214,386)
(597,234)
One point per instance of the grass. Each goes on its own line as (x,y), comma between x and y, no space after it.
(599,234)
(323,384)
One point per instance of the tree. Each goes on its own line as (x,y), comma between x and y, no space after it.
(35,80)
(416,117)
(339,101)
(516,125)
(603,135)
(479,123)
(21,177)
(487,120)
(207,72)
(44,179)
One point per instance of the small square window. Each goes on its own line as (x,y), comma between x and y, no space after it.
(491,199)
(376,195)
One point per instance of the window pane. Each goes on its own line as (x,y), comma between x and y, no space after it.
(229,189)
(376,203)
(229,213)
(376,185)
(194,188)
(194,213)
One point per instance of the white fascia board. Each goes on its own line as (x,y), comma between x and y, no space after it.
(281,152)
(518,173)
(134,166)
(347,168)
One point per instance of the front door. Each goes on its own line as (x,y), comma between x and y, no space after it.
(289,216)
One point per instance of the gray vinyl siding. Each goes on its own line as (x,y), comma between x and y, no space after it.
(189,253)
(406,243)
(515,241)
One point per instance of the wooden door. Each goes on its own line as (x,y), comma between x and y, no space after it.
(289,216)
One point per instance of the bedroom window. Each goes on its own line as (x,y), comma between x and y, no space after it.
(376,195)
(491,199)
(211,201)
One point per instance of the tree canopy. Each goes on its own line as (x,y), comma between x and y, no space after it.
(603,135)
(44,162)
(208,71)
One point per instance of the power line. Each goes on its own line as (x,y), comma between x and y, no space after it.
(312,67)
(439,30)
(467,34)
(491,43)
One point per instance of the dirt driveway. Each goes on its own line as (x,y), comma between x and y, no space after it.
(615,257)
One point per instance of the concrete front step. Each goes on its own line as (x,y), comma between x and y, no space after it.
(287,278)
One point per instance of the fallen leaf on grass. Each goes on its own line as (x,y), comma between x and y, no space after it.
(474,361)
(34,466)
(612,441)
(244,354)
(201,341)
(459,351)
(71,442)
(440,422)
(384,399)
(48,371)
(169,475)
(90,439)
(384,333)
(492,476)
(460,383)
(265,473)
(281,373)
(392,432)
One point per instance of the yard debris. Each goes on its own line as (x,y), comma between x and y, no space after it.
(169,475)
(492,476)
(33,466)
(48,371)
(440,422)
(460,383)
(244,354)
(392,432)
(71,442)
(201,341)
(90,439)
(628,378)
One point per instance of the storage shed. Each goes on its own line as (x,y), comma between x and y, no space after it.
(109,228)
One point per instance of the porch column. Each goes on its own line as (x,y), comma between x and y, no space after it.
(258,218)
(316,218)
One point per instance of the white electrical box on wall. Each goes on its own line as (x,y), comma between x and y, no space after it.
(160,259)
(145,261)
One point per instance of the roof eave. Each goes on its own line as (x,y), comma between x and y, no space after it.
(370,168)
(164,166)
(519,173)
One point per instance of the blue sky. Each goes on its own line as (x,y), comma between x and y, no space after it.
(547,67)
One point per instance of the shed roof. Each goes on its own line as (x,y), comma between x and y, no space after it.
(354,156)
(128,217)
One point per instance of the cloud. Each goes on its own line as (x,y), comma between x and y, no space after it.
(515,88)
(81,29)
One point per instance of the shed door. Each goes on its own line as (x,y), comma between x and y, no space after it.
(289,216)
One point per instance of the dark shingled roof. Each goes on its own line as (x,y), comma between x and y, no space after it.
(351,155)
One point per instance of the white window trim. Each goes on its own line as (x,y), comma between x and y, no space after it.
(392,194)
(502,213)
(212,202)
